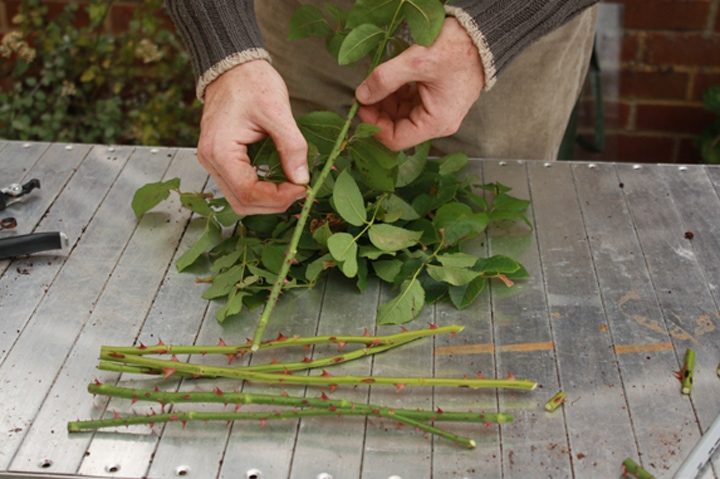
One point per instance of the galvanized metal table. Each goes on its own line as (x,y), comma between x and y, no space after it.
(617,292)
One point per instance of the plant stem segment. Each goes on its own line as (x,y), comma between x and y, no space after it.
(217,396)
(688,371)
(634,469)
(171,367)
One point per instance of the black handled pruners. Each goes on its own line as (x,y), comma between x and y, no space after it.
(14,192)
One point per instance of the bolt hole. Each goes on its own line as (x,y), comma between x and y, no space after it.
(112,468)
(253,474)
(182,471)
(45,463)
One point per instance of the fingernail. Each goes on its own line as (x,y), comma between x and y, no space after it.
(301,175)
(362,93)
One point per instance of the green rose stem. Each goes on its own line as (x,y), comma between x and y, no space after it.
(185,417)
(282,342)
(633,469)
(171,367)
(218,396)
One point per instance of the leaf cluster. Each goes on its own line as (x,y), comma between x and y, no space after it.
(77,80)
(709,140)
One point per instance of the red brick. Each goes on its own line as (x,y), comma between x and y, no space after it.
(120,17)
(666,85)
(632,149)
(703,81)
(682,49)
(672,118)
(665,14)
(616,114)
(688,152)
(55,8)
(630,47)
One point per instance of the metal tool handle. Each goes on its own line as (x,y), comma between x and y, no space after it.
(31,243)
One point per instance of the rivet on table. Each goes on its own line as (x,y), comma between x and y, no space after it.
(394,477)
(112,468)
(637,167)
(520,162)
(682,168)
(182,471)
(154,150)
(547,165)
(592,166)
(68,147)
(253,474)
(324,475)
(27,145)
(111,149)
(502,163)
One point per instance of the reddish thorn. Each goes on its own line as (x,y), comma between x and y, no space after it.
(333,338)
(184,423)
(368,380)
(333,408)
(307,360)
(167,372)
(296,216)
(284,394)
(116,415)
(237,407)
(152,412)
(221,342)
(488,424)
(324,396)
(116,355)
(174,417)
(248,341)
(133,400)
(274,361)
(186,397)
(286,281)
(325,373)
(281,337)
(376,342)
(142,346)
(341,345)
(403,329)
(97,381)
(366,332)
(511,376)
(439,411)
(332,387)
(433,325)
(399,387)
(263,422)
(218,391)
(478,375)
(339,359)
(147,395)
(287,372)
(160,342)
(376,411)
(195,376)
(231,358)
(307,347)
(156,389)
(174,359)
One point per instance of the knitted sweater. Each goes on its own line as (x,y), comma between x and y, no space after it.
(221,34)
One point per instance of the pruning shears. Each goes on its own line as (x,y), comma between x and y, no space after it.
(29,243)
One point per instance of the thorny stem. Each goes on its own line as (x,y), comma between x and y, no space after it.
(185,417)
(217,396)
(171,367)
(282,342)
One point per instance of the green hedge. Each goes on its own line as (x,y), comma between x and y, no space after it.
(70,83)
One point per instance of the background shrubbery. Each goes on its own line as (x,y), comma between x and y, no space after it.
(70,78)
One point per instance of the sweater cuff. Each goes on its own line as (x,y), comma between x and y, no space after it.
(230,61)
(486,56)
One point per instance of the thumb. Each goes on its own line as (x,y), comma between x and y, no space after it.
(291,147)
(387,78)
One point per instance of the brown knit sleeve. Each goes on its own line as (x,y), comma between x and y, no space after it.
(501,29)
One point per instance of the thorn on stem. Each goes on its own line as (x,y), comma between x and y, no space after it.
(167,372)
(399,387)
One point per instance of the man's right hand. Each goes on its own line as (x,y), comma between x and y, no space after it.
(243,106)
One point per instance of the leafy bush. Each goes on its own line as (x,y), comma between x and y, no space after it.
(709,141)
(64,82)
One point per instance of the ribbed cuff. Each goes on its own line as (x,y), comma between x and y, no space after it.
(486,56)
(219,34)
(501,29)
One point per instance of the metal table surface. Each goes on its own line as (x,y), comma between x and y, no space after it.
(616,294)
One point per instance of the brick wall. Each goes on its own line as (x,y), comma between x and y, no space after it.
(669,55)
(117,20)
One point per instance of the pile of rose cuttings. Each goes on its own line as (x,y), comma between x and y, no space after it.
(161,362)
(369,211)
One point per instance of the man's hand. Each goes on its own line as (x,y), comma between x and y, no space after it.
(425,92)
(243,106)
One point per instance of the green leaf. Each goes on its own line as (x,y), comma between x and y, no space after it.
(395,208)
(365,130)
(344,249)
(272,257)
(458,221)
(463,296)
(362,275)
(196,203)
(360,41)
(457,260)
(321,128)
(348,200)
(378,12)
(387,270)
(226,261)
(405,306)
(149,196)
(261,224)
(371,149)
(232,307)
(308,21)
(322,234)
(225,282)
(312,273)
(451,274)
(211,237)
(411,167)
(498,264)
(372,253)
(425,19)
(434,290)
(391,238)
(452,163)
(430,234)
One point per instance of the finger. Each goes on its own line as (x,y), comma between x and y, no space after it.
(290,144)
(387,78)
(410,131)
